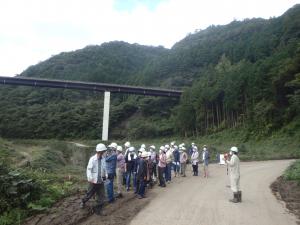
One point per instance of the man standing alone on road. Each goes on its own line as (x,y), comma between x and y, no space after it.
(96,175)
(234,165)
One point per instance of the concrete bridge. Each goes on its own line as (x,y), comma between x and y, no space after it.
(90,86)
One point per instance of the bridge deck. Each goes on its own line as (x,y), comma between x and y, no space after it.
(89,86)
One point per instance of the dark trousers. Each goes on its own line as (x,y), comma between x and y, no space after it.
(141,189)
(97,189)
(195,169)
(128,179)
(154,169)
(161,171)
(168,171)
(110,187)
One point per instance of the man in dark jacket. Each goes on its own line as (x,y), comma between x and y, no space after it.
(130,165)
(142,174)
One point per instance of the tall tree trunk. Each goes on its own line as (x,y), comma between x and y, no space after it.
(207,120)
(218,116)
(213,115)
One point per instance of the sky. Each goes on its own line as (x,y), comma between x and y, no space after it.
(32,31)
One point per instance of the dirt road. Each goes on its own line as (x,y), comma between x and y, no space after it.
(196,200)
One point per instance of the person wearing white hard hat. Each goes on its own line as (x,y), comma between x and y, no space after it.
(172,146)
(191,148)
(176,162)
(130,160)
(162,166)
(183,161)
(142,174)
(111,166)
(205,160)
(195,160)
(149,170)
(234,165)
(126,147)
(137,161)
(96,175)
(120,170)
(169,160)
(153,158)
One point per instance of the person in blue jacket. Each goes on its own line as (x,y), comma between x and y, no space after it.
(111,165)
(176,162)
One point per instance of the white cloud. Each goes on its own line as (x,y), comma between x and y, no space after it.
(33,30)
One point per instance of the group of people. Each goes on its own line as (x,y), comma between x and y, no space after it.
(138,169)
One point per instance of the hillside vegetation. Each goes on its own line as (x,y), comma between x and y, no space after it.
(242,75)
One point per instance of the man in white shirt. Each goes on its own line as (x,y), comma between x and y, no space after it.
(234,165)
(96,175)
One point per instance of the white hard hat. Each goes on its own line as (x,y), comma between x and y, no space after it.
(173,143)
(143,146)
(234,149)
(167,146)
(195,147)
(144,154)
(162,148)
(100,147)
(141,150)
(183,148)
(193,143)
(152,146)
(113,145)
(119,148)
(131,149)
(127,144)
(182,144)
(175,147)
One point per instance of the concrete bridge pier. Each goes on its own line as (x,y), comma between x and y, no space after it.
(105,116)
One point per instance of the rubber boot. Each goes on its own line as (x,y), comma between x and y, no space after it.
(239,197)
(235,197)
(98,210)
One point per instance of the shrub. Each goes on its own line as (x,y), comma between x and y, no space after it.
(293,172)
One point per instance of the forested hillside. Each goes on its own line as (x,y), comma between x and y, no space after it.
(245,74)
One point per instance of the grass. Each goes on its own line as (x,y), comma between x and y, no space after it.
(293,172)
(52,168)
(278,146)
